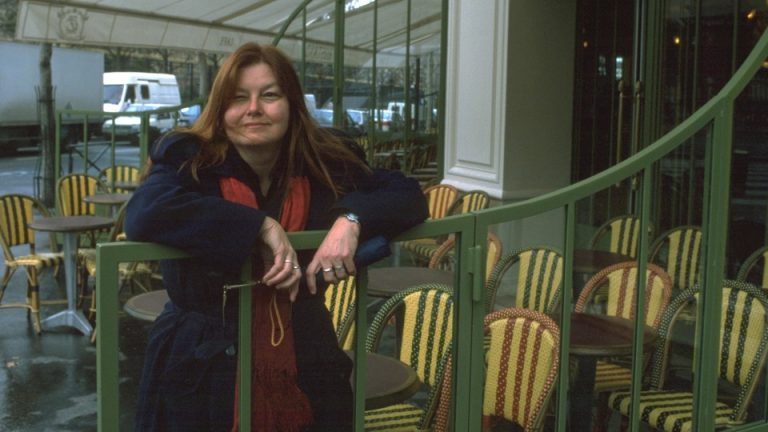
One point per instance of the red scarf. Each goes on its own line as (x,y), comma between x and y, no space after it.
(278,405)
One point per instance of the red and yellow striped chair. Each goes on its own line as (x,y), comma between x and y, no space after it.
(617,285)
(522,363)
(424,318)
(16,212)
(755,268)
(743,340)
(617,289)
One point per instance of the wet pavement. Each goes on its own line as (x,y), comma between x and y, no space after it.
(48,381)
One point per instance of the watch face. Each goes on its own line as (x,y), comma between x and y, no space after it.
(352,217)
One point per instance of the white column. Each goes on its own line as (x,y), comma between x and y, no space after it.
(509,96)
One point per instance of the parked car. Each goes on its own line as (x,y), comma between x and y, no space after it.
(188,115)
(324,118)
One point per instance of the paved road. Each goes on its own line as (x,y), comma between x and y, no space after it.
(18,173)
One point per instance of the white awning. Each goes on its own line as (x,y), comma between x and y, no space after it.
(220,26)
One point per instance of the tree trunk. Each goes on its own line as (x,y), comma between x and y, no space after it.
(47,126)
(205,78)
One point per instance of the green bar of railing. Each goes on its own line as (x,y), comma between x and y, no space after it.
(245,354)
(564,379)
(715,222)
(361,330)
(638,354)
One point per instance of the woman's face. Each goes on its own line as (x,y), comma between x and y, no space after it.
(258,114)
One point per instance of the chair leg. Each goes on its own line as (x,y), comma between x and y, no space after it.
(6,278)
(602,413)
(33,299)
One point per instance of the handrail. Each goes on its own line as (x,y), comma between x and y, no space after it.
(471,228)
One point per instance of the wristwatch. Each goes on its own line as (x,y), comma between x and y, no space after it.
(352,217)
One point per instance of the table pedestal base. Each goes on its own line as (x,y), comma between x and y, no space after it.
(69,318)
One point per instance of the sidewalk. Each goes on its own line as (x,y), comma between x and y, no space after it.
(48,381)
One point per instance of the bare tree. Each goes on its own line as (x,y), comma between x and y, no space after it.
(47,126)
(8,9)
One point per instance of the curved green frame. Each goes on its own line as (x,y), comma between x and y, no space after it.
(470,231)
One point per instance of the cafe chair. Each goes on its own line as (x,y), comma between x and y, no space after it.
(340,300)
(522,362)
(118,174)
(678,251)
(755,268)
(440,198)
(72,188)
(425,323)
(135,274)
(16,212)
(617,285)
(620,234)
(538,279)
(444,257)
(467,202)
(742,344)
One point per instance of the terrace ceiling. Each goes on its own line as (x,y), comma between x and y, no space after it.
(220,26)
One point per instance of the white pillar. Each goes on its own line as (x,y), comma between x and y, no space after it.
(509,96)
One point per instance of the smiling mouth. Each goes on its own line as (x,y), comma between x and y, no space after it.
(250,125)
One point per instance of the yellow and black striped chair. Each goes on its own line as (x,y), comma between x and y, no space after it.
(539,279)
(72,188)
(424,315)
(755,268)
(340,300)
(444,257)
(678,252)
(743,340)
(620,234)
(119,174)
(440,197)
(424,249)
(16,212)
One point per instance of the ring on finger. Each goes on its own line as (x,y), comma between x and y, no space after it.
(288,261)
(295,266)
(329,269)
(338,267)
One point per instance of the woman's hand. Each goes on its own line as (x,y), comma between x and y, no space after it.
(334,257)
(284,272)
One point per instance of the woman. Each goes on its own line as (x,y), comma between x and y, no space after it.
(252,167)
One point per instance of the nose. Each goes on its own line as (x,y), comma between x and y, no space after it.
(254,106)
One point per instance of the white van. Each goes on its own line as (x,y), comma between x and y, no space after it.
(122,89)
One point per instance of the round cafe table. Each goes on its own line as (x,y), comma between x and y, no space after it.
(592,337)
(388,381)
(113,200)
(70,227)
(387,281)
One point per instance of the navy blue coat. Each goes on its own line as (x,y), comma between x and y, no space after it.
(190,364)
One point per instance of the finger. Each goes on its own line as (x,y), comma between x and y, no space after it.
(329,275)
(340,271)
(281,269)
(349,265)
(311,276)
(294,292)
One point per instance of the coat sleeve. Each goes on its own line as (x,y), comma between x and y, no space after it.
(387,203)
(173,209)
